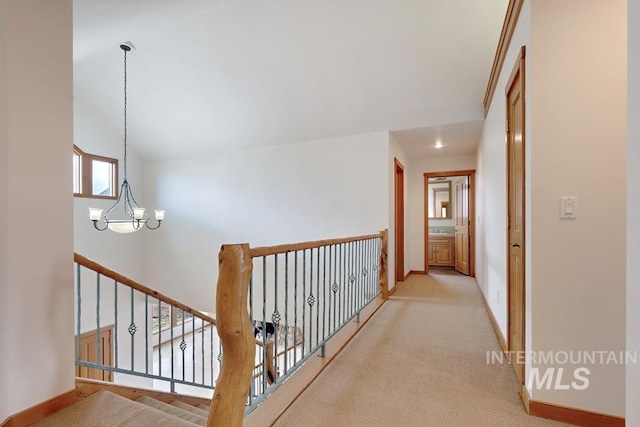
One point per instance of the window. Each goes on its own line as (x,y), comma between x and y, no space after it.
(162,317)
(94,176)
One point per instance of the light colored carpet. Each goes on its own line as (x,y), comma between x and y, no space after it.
(105,409)
(190,408)
(173,410)
(420,361)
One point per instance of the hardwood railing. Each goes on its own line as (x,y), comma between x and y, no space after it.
(288,302)
(128,333)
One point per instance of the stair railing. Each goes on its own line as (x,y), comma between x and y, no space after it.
(281,305)
(132,335)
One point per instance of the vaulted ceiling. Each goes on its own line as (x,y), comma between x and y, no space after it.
(212,75)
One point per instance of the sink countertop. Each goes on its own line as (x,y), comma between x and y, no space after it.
(441,235)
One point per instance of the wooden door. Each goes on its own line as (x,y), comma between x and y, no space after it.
(399,222)
(89,353)
(515,214)
(462,241)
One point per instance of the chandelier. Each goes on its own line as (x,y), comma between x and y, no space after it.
(134,216)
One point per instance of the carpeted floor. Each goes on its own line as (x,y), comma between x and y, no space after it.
(420,361)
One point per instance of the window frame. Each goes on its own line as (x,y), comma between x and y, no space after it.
(85,178)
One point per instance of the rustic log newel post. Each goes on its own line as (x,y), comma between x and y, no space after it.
(236,335)
(384,276)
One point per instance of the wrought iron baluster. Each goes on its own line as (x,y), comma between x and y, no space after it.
(211,355)
(330,286)
(352,279)
(182,346)
(264,322)
(193,347)
(304,296)
(344,294)
(286,312)
(115,318)
(275,318)
(132,331)
(311,300)
(360,275)
(295,307)
(79,308)
(202,330)
(324,291)
(173,384)
(98,340)
(159,337)
(146,333)
(372,269)
(318,294)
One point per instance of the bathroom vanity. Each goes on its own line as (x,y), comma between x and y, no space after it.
(441,250)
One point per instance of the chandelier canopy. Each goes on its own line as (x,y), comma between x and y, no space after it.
(134,216)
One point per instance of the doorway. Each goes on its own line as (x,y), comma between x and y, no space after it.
(399,221)
(449,226)
(515,214)
(96,350)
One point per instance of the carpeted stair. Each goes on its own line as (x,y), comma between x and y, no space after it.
(106,409)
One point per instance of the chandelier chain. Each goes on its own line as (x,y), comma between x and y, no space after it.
(125,114)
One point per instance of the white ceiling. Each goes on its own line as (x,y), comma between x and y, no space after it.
(458,139)
(212,75)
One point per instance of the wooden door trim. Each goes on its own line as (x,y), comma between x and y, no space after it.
(399,225)
(472,215)
(518,69)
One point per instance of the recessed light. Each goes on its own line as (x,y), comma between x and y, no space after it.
(439,144)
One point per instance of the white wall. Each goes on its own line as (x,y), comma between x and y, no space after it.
(415,200)
(575,276)
(4,214)
(578,148)
(396,152)
(37,243)
(119,252)
(633,212)
(290,193)
(491,202)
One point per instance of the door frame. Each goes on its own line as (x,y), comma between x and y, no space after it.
(472,215)
(399,220)
(518,69)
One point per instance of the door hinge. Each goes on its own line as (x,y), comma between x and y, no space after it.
(508,125)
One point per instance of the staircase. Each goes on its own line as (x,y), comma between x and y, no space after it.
(106,409)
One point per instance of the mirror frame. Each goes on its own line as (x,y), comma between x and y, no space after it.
(432,194)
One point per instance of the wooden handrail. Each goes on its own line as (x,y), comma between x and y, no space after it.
(235,329)
(292,247)
(92,265)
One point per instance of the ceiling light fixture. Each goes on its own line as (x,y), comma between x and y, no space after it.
(135,216)
(439,144)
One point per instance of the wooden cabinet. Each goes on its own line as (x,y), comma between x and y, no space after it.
(441,251)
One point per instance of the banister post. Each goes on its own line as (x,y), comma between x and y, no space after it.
(236,335)
(384,276)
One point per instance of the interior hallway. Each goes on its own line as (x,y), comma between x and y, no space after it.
(420,361)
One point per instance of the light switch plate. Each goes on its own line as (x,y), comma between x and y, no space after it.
(568,207)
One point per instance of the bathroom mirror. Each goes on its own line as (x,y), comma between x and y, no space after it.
(440,200)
